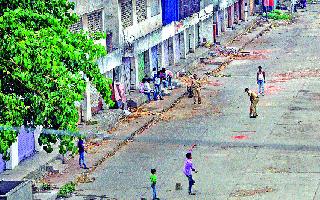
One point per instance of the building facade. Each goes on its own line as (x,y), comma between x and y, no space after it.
(147,34)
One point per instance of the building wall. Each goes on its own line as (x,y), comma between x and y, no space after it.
(26,143)
(138,28)
(2,164)
(170,11)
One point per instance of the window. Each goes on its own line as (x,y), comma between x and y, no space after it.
(95,21)
(77,27)
(155,9)
(188,7)
(126,13)
(141,7)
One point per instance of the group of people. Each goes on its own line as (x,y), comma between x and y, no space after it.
(195,87)
(161,80)
(254,97)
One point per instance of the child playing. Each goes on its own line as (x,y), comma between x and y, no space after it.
(188,169)
(153,179)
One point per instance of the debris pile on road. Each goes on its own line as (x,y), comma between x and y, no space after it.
(245,193)
(276,170)
(225,51)
(220,68)
(248,56)
(284,77)
(137,113)
(221,75)
(84,178)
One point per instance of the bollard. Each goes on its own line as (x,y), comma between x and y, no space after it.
(178,186)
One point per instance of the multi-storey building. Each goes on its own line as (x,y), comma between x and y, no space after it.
(147,34)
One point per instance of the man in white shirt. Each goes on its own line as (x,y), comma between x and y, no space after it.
(147,89)
(261,80)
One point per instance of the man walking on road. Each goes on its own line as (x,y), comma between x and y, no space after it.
(81,153)
(196,87)
(261,80)
(254,99)
(188,169)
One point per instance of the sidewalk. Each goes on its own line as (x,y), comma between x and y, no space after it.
(107,119)
(99,149)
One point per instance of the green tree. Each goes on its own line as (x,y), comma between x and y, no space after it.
(40,65)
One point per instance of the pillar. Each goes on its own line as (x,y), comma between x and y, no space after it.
(236,12)
(36,134)
(163,55)
(151,61)
(241,10)
(246,10)
(176,49)
(230,16)
(87,113)
(14,156)
(216,23)
(223,20)
(136,71)
(192,38)
(184,46)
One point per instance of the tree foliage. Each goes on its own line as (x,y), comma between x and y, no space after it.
(40,65)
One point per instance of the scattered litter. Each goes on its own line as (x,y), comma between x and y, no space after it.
(221,75)
(276,170)
(178,186)
(245,193)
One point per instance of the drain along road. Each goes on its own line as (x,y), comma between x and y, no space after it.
(275,156)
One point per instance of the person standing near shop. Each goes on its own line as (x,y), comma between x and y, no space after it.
(169,75)
(261,80)
(157,87)
(147,89)
(254,99)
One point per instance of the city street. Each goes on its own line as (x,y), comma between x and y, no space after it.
(275,156)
